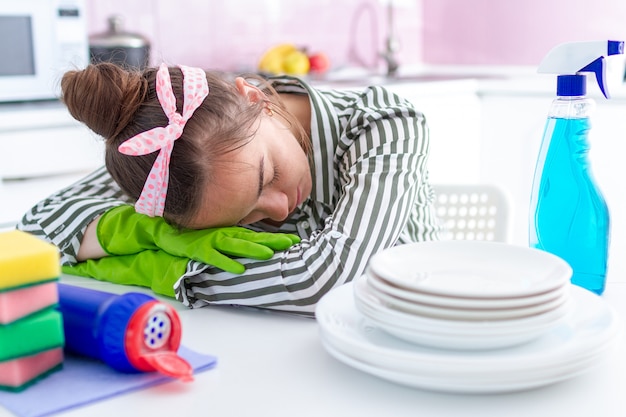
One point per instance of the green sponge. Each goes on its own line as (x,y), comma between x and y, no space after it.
(32,334)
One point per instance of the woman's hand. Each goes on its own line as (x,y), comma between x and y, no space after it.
(122,231)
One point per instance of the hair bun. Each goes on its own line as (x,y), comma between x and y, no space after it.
(103,96)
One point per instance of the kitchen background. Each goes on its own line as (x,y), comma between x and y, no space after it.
(482,130)
(232,35)
(497,127)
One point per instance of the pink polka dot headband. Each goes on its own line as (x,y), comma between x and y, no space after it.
(195,89)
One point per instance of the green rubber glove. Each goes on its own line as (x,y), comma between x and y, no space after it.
(122,231)
(151,268)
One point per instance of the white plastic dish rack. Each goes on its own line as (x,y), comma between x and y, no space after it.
(473,212)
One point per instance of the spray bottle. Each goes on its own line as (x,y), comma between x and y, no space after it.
(131,332)
(568,214)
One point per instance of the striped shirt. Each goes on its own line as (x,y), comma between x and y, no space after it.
(370,192)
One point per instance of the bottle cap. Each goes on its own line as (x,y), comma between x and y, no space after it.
(152,340)
(571,85)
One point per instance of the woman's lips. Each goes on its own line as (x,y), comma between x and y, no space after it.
(297,201)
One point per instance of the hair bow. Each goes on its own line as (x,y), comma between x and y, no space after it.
(195,89)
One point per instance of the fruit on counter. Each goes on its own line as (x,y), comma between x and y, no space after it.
(319,62)
(273,59)
(289,59)
(296,63)
(284,59)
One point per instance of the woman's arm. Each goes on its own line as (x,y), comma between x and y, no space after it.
(90,246)
(67,218)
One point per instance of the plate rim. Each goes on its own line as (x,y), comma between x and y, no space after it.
(435,358)
(482,247)
(470,314)
(412,320)
(462,302)
(470,387)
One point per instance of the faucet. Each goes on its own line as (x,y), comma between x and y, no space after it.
(391,43)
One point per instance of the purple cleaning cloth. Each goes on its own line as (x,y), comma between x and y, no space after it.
(83,381)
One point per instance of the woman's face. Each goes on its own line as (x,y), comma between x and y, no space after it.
(266,179)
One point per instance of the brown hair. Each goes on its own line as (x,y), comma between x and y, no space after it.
(117,104)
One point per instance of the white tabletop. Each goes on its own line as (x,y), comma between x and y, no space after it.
(273,364)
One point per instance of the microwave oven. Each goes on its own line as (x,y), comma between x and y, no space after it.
(39,41)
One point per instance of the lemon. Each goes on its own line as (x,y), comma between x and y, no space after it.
(296,63)
(273,59)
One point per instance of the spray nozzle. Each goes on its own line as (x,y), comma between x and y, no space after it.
(575,58)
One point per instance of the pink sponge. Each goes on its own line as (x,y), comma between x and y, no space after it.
(20,302)
(19,373)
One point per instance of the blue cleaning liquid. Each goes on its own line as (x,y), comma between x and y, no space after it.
(571,218)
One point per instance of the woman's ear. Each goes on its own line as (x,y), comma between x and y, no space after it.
(252,92)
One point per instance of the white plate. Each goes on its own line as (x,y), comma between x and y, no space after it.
(455,341)
(469,268)
(463,385)
(462,302)
(466,342)
(589,330)
(487,374)
(374,307)
(455,313)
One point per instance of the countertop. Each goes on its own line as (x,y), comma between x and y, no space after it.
(273,364)
(508,80)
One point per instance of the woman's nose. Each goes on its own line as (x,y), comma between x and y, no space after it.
(275,206)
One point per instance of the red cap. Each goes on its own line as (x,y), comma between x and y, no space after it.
(152,341)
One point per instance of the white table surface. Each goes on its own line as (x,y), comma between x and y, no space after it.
(19,196)
(273,364)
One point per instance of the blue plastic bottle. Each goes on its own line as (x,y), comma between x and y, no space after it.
(568,214)
(131,332)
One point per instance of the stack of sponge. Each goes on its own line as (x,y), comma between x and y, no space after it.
(31,329)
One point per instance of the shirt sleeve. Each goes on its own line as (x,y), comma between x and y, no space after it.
(382,193)
(63,217)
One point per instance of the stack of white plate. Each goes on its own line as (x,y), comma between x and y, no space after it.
(466,316)
(465,294)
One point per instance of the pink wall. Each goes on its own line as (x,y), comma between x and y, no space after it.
(233,35)
(502,32)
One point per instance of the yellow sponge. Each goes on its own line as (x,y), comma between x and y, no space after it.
(26,259)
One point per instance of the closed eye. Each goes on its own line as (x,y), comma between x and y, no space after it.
(262,177)
(276,176)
